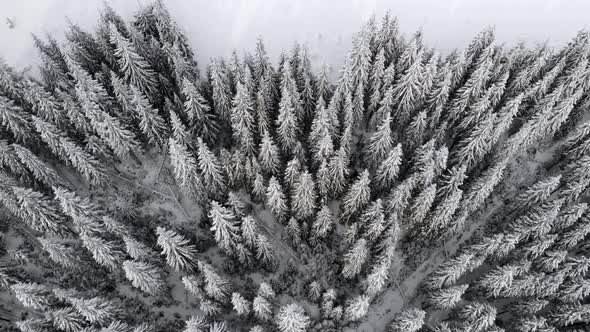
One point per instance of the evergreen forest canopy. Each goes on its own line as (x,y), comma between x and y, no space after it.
(417,192)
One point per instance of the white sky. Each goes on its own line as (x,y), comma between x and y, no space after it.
(216,27)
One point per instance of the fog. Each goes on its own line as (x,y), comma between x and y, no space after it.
(217,27)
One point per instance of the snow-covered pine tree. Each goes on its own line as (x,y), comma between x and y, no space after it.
(137,250)
(211,170)
(224,227)
(152,125)
(450,271)
(264,251)
(96,310)
(38,211)
(323,223)
(409,320)
(15,120)
(381,141)
(377,278)
(196,324)
(388,169)
(303,198)
(41,170)
(338,172)
(32,295)
(198,112)
(220,89)
(144,276)
(240,304)
(136,69)
(292,318)
(216,286)
(538,192)
(103,251)
(275,199)
(287,125)
(355,259)
(59,252)
(185,169)
(262,308)
(293,232)
(357,308)
(66,319)
(357,197)
(95,100)
(476,316)
(66,149)
(242,120)
(180,254)
(269,156)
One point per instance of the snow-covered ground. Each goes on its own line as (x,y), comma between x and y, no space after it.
(217,27)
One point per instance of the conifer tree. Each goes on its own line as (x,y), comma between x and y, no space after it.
(136,69)
(422,204)
(292,318)
(538,192)
(409,320)
(143,276)
(373,220)
(42,172)
(269,157)
(388,170)
(323,224)
(216,286)
(104,252)
(150,122)
(198,111)
(62,146)
(357,196)
(292,172)
(264,251)
(211,170)
(450,271)
(96,310)
(94,100)
(240,304)
(315,291)
(477,316)
(262,308)
(381,141)
(180,254)
(38,211)
(15,120)
(66,319)
(32,295)
(137,250)
(378,276)
(184,166)
(224,227)
(275,199)
(221,90)
(355,258)
(304,196)
(357,308)
(287,130)
(242,121)
(293,232)
(58,252)
(196,324)
(265,290)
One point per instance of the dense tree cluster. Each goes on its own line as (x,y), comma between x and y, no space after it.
(333,186)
